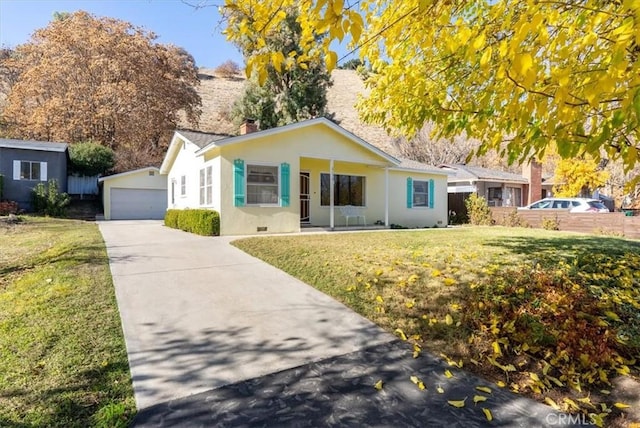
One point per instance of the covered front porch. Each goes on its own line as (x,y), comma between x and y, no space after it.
(328,186)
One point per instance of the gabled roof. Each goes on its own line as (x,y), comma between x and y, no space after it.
(207,141)
(124,174)
(476,173)
(201,139)
(45,146)
(300,125)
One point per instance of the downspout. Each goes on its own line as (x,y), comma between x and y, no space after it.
(386,196)
(331,194)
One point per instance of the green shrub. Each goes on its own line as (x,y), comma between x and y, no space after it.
(90,159)
(171,218)
(198,221)
(514,220)
(47,199)
(478,211)
(549,223)
(457,218)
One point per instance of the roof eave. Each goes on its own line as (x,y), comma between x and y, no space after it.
(124,174)
(424,171)
(170,156)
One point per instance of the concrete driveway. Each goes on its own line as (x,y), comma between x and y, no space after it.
(198,313)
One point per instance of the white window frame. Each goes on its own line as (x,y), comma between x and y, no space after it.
(335,178)
(277,184)
(425,193)
(17,170)
(206,185)
(183,186)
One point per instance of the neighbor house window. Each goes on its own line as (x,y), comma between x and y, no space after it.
(513,197)
(28,170)
(348,190)
(206,185)
(183,185)
(420,193)
(262,185)
(494,198)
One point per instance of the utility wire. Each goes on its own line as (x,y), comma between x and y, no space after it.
(378,34)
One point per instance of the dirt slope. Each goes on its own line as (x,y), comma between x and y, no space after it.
(218,95)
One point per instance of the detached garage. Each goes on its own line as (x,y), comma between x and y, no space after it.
(135,195)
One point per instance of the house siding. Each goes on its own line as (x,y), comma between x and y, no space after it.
(20,190)
(189,165)
(247,219)
(417,216)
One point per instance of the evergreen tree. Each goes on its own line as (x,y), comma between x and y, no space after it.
(288,94)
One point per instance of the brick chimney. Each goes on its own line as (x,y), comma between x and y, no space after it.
(248,126)
(533,173)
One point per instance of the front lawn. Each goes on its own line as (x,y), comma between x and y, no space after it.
(62,354)
(552,315)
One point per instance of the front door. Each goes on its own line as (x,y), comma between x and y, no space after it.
(304,197)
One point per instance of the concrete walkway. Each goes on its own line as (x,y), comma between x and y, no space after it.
(198,313)
(216,337)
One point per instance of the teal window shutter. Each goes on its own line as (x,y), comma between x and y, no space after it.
(284,184)
(409,192)
(431,192)
(238,183)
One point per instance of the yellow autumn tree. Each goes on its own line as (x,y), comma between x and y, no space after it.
(519,76)
(578,177)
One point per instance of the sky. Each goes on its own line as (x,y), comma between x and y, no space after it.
(173,21)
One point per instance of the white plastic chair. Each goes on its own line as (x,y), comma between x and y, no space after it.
(352,211)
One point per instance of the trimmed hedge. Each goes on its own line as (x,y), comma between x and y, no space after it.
(171,218)
(200,222)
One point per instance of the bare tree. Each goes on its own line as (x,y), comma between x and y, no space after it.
(423,148)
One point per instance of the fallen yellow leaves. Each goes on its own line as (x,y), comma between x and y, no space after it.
(457,403)
(418,382)
(487,414)
(484,389)
(400,334)
(479,398)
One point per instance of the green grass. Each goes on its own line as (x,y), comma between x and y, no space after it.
(552,315)
(62,351)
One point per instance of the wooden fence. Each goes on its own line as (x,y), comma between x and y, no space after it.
(616,223)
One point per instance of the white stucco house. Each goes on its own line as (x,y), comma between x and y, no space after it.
(281,179)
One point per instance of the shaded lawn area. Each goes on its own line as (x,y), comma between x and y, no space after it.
(62,351)
(552,315)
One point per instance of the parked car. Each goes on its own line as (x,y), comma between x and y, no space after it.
(574,205)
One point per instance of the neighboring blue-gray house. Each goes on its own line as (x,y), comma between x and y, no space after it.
(23,164)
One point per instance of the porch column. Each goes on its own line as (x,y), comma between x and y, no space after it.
(331,190)
(386,196)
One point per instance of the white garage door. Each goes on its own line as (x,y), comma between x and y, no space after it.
(138,204)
